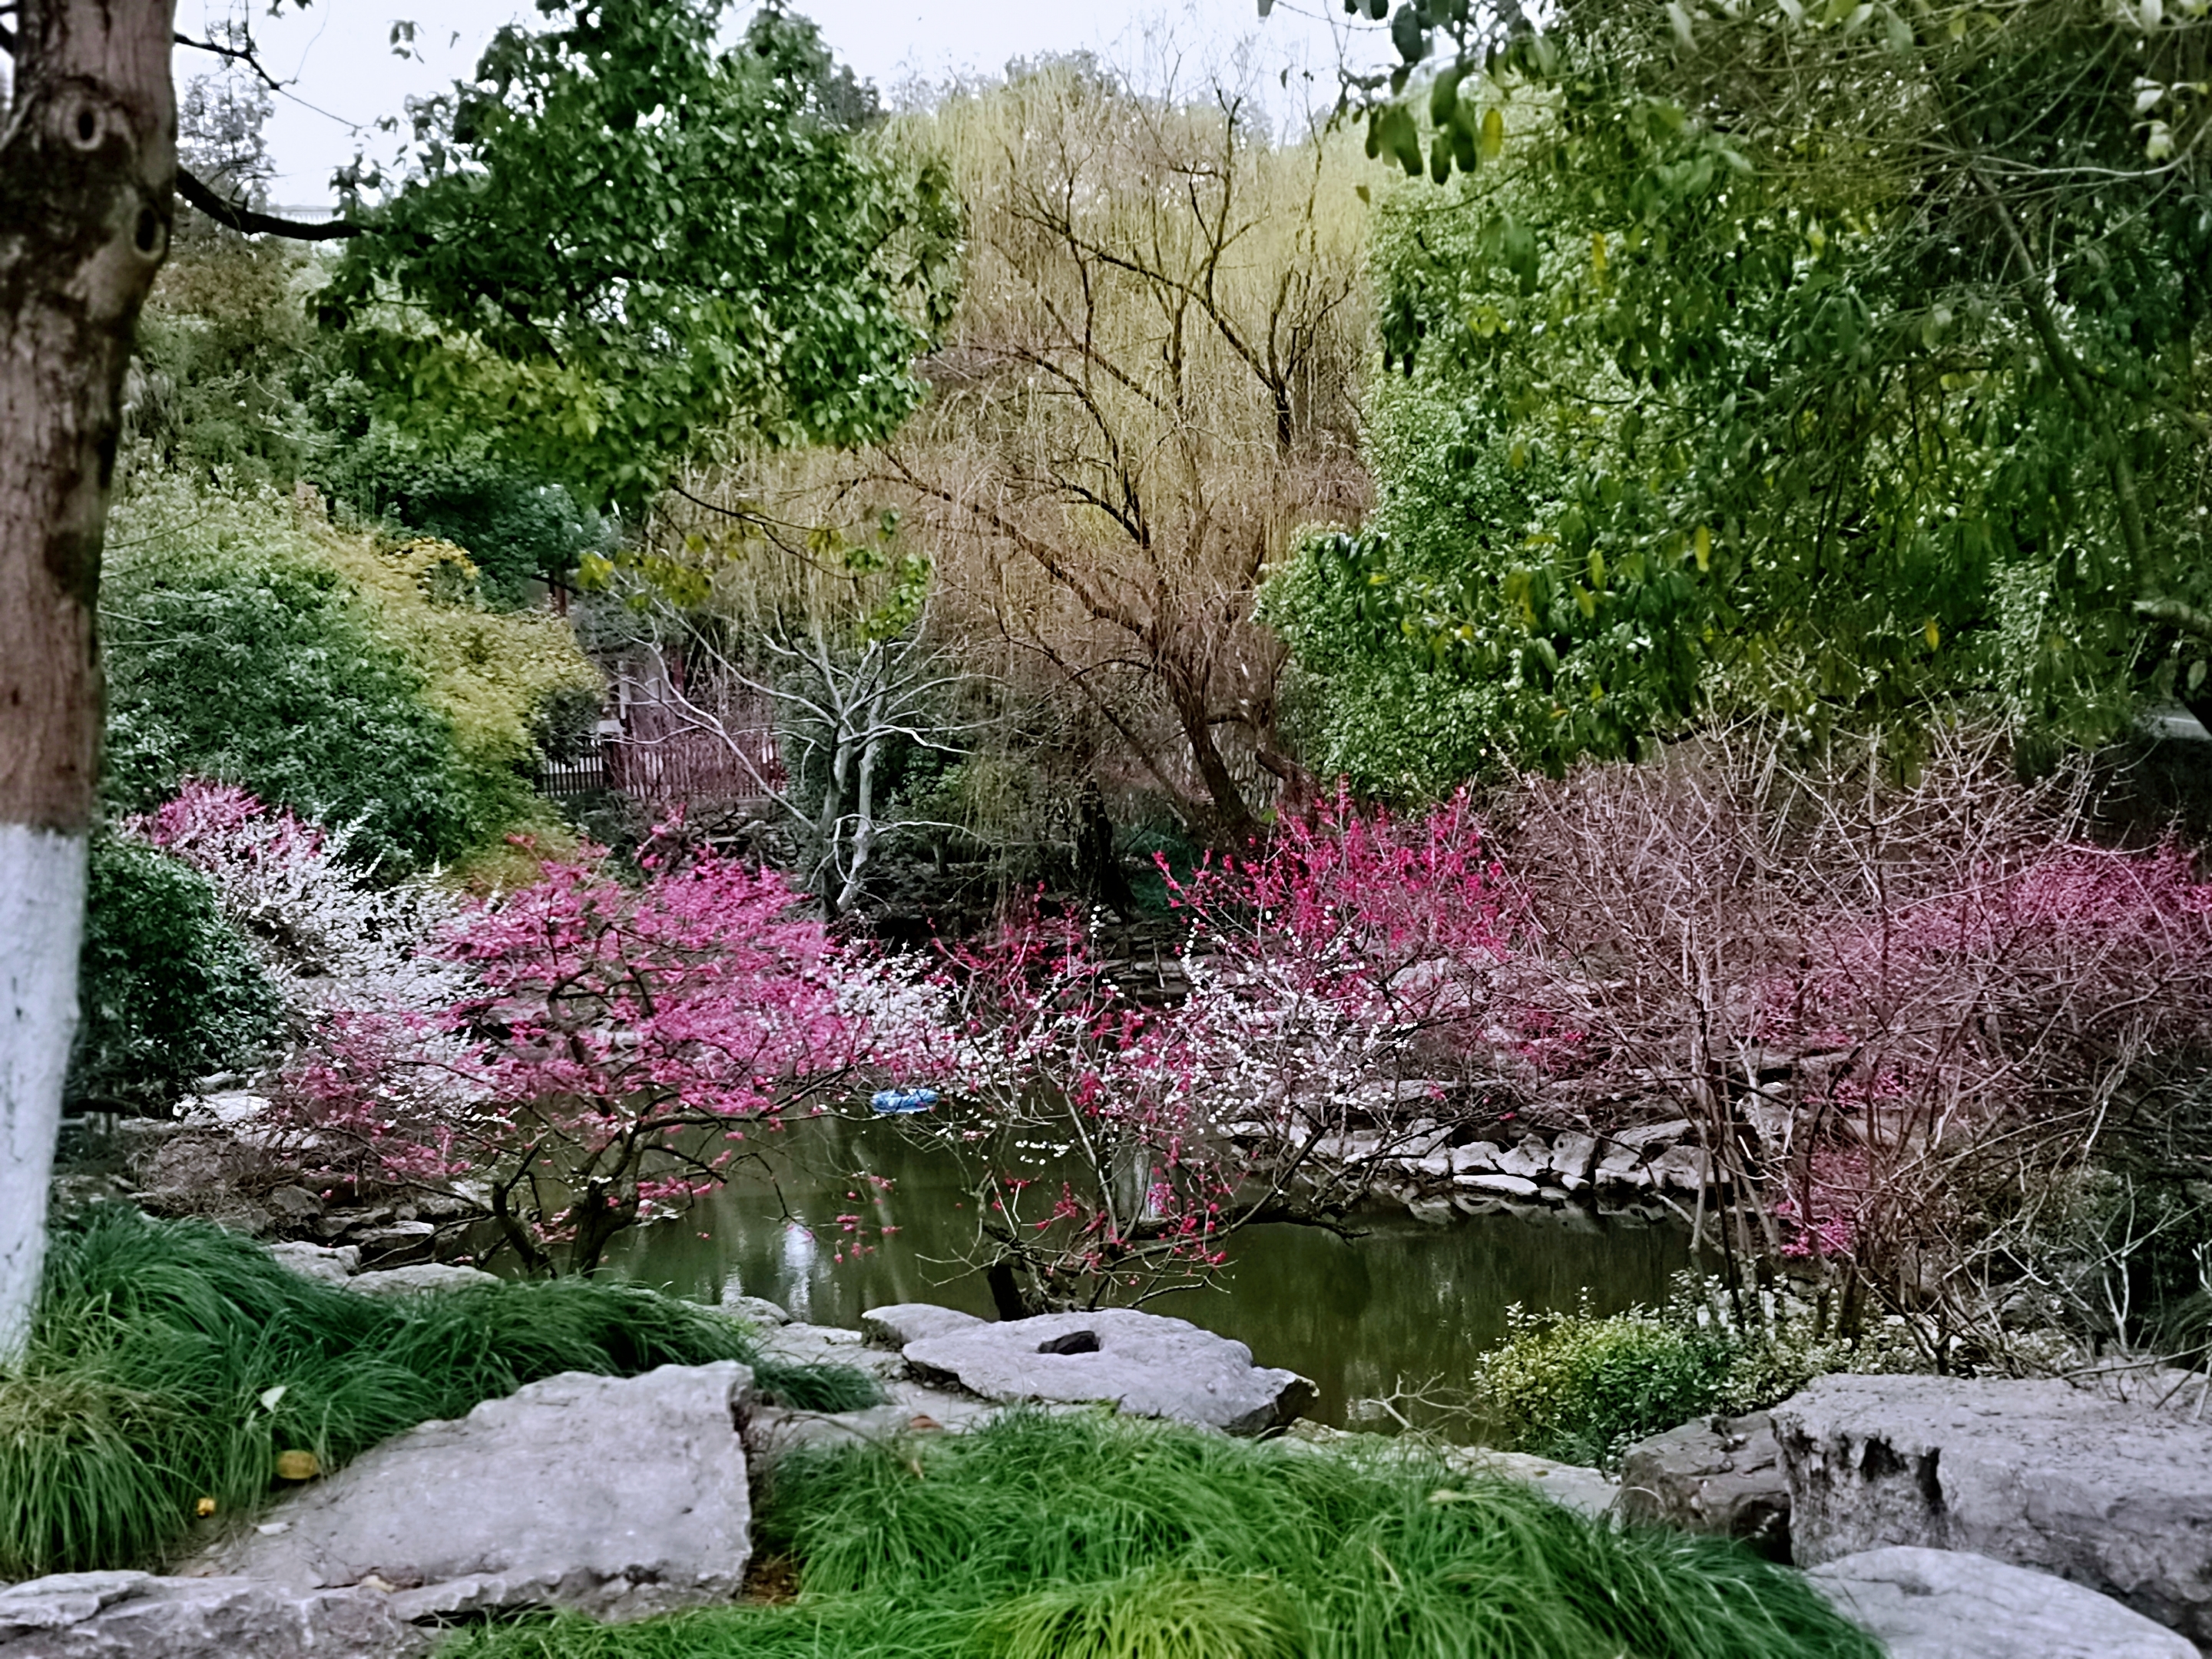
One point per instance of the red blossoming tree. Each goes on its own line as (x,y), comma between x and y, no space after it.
(1338,984)
(614,1046)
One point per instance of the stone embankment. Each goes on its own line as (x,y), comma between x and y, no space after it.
(1436,1169)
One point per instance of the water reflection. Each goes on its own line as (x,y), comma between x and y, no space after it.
(1405,1301)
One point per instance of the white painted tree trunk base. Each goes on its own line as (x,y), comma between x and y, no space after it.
(42,879)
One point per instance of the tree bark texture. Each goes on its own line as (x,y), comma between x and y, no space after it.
(88,161)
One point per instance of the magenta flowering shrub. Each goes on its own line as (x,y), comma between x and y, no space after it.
(1401,918)
(1337,981)
(614,1048)
(1902,1014)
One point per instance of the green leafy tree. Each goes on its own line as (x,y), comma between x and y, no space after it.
(620,241)
(1826,360)
(169,990)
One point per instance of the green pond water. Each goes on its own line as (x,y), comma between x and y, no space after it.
(1405,1301)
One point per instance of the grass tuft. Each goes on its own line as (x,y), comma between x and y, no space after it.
(171,1361)
(1094,1537)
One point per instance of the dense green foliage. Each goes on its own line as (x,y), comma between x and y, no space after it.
(236,389)
(549,275)
(517,528)
(1092,1537)
(171,1361)
(267,671)
(1583,1387)
(1819,361)
(167,990)
(358,683)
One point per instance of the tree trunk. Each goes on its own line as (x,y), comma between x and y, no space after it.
(87,165)
(1234,828)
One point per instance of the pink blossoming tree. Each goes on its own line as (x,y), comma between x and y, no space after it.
(615,1047)
(1338,983)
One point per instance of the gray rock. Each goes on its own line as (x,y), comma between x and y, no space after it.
(1531,1158)
(909,1408)
(1724,1477)
(754,1310)
(1476,1157)
(618,1497)
(209,1618)
(902,1323)
(397,1235)
(1571,1158)
(1621,1166)
(830,1344)
(296,1204)
(63,1598)
(413,1281)
(333,1266)
(1504,1186)
(1653,1134)
(1586,1490)
(1939,1604)
(1431,1212)
(1685,1169)
(1146,1365)
(2033,1473)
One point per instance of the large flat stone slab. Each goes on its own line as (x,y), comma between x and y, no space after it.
(902,1322)
(1939,1604)
(137,1616)
(618,1497)
(1144,1362)
(2037,1474)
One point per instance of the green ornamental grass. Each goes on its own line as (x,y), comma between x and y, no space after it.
(1090,1536)
(171,1361)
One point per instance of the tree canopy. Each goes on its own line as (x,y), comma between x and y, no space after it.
(1834,361)
(621,241)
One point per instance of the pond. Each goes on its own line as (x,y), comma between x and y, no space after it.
(1405,1300)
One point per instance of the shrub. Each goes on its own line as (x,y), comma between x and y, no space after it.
(354,683)
(1113,1148)
(1093,1537)
(1899,1009)
(268,674)
(607,1034)
(167,988)
(1583,1389)
(171,1361)
(333,938)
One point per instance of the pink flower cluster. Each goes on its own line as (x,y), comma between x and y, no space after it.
(1318,966)
(611,1043)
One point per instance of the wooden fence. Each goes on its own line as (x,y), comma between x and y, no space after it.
(695,767)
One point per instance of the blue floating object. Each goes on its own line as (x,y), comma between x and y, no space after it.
(893,1101)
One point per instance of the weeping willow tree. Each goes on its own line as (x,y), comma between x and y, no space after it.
(1149,384)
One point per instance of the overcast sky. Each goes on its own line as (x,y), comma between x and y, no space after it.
(338,58)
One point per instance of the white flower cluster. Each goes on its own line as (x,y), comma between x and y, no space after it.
(329,937)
